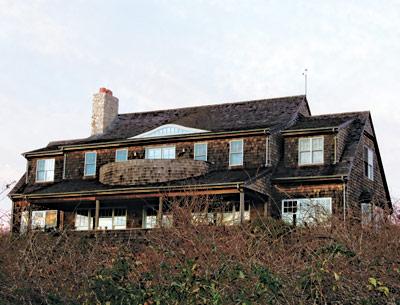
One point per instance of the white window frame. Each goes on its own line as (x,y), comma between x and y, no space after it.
(95,164)
(370,161)
(119,150)
(267,152)
(230,152)
(310,139)
(45,171)
(194,151)
(162,155)
(303,214)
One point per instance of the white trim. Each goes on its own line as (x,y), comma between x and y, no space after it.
(116,152)
(310,151)
(95,164)
(230,149)
(267,152)
(182,130)
(370,162)
(161,148)
(194,150)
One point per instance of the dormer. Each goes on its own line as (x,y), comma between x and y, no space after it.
(169,130)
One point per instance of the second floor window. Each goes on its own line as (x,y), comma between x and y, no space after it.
(121,155)
(311,150)
(235,152)
(369,163)
(90,164)
(165,152)
(200,151)
(45,170)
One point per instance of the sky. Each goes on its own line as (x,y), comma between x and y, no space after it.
(162,54)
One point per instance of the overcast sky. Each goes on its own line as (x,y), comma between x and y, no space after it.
(160,54)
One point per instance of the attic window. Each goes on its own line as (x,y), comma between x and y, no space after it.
(169,130)
(369,163)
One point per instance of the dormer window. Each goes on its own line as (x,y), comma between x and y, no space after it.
(369,163)
(121,155)
(200,151)
(45,170)
(90,163)
(311,150)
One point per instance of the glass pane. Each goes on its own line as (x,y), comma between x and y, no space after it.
(317,143)
(90,170)
(304,144)
(236,146)
(41,176)
(121,155)
(370,157)
(201,158)
(49,175)
(40,165)
(236,159)
(105,223)
(168,152)
(90,158)
(305,157)
(38,219)
(151,222)
(317,157)
(153,153)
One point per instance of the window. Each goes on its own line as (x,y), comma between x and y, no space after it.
(90,163)
(44,219)
(369,163)
(84,220)
(121,155)
(267,152)
(109,219)
(169,130)
(366,214)
(200,151)
(235,152)
(301,211)
(311,150)
(45,170)
(150,218)
(24,221)
(167,152)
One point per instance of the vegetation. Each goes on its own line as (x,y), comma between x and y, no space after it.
(265,262)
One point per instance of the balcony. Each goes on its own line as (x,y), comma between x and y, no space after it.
(145,171)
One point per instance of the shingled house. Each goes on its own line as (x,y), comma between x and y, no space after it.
(265,157)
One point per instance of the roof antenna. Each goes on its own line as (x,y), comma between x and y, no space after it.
(305,81)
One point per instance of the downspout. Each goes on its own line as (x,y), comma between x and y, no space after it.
(344,199)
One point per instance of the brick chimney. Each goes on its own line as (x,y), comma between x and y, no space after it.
(105,110)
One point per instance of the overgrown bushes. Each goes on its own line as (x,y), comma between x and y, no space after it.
(266,262)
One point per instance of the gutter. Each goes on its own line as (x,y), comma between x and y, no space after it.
(310,178)
(138,141)
(304,131)
(142,190)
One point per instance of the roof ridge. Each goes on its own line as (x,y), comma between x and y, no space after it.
(219,104)
(340,113)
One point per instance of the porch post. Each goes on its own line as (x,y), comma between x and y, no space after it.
(159,214)
(241,206)
(266,208)
(96,215)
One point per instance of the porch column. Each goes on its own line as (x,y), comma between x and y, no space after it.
(96,215)
(159,213)
(266,208)
(241,206)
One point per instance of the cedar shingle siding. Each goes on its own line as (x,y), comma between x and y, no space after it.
(283,121)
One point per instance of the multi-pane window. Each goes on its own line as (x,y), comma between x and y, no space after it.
(235,152)
(167,152)
(45,170)
(44,219)
(311,150)
(369,163)
(90,164)
(121,155)
(301,211)
(200,151)
(366,213)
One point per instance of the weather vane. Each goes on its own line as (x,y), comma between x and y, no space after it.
(305,81)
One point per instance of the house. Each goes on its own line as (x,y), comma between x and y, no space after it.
(265,157)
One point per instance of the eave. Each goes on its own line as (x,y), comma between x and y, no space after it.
(309,131)
(144,141)
(310,179)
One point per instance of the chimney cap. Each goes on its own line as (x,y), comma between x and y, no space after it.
(105,90)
